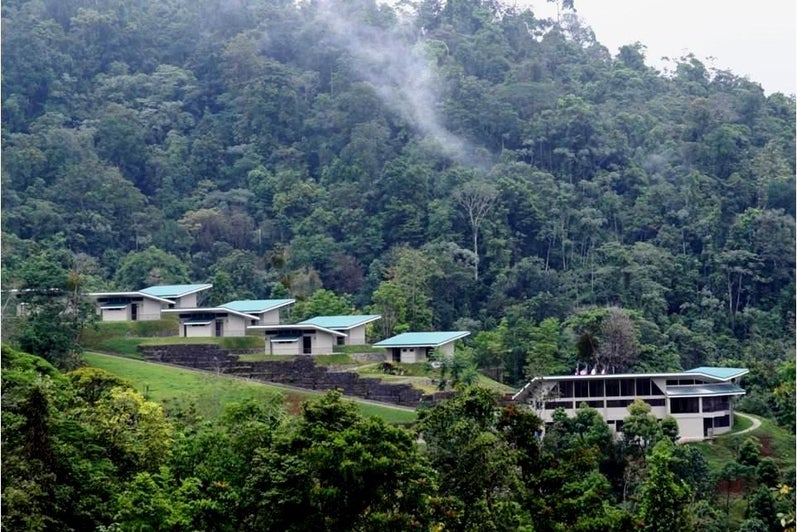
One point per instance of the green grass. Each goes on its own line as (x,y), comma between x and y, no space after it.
(114,338)
(775,442)
(355,349)
(174,386)
(333,360)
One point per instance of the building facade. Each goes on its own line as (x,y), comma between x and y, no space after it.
(701,400)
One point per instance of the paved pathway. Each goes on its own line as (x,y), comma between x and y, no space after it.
(755,425)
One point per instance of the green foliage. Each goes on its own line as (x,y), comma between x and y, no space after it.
(339,471)
(152,266)
(322,303)
(662,504)
(53,307)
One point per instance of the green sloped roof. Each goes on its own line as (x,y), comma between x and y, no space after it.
(422,339)
(704,389)
(340,322)
(174,290)
(719,373)
(257,305)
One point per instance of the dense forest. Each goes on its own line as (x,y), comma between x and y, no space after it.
(447,164)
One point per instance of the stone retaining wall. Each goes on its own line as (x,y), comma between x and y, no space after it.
(301,372)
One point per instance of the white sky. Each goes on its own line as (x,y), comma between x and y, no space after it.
(751,38)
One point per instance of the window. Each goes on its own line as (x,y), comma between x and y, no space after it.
(654,389)
(655,402)
(643,386)
(724,421)
(627,387)
(596,388)
(612,388)
(553,405)
(684,405)
(581,388)
(566,389)
(619,426)
(618,403)
(716,404)
(595,404)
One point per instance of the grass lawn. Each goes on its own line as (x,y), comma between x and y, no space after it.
(775,442)
(172,386)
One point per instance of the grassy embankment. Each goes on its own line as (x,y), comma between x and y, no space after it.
(175,387)
(123,337)
(773,441)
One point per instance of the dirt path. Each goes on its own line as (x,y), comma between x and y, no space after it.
(755,425)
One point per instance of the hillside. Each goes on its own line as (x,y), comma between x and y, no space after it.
(449,165)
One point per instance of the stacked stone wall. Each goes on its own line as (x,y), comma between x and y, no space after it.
(300,371)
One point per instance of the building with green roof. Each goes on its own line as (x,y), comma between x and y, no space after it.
(701,400)
(411,347)
(267,310)
(352,326)
(146,304)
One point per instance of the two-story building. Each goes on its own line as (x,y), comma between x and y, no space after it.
(701,399)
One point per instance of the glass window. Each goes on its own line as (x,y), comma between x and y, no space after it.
(619,426)
(684,405)
(643,386)
(655,402)
(654,389)
(612,388)
(627,387)
(618,403)
(566,389)
(724,421)
(596,388)
(581,388)
(553,405)
(595,404)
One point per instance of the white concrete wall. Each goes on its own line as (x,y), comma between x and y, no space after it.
(285,348)
(413,354)
(198,331)
(149,310)
(188,301)
(122,314)
(322,343)
(272,317)
(234,326)
(690,426)
(356,336)
(447,349)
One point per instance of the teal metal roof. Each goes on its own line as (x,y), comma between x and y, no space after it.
(340,322)
(257,306)
(704,389)
(723,374)
(174,290)
(422,339)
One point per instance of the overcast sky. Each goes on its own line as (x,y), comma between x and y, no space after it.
(752,38)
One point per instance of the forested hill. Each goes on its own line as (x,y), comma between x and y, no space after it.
(469,167)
